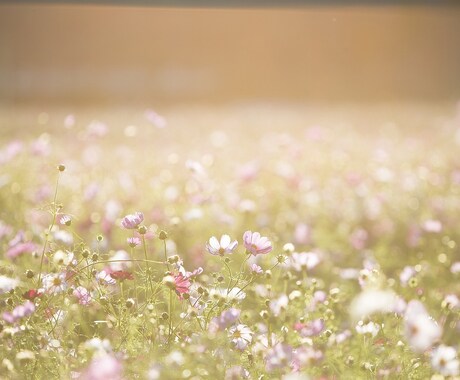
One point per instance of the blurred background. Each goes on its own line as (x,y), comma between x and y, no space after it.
(98,55)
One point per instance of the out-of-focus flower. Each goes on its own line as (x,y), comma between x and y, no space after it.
(372,301)
(277,305)
(222,247)
(120,261)
(256,244)
(305,356)
(444,361)
(407,273)
(98,346)
(236,372)
(155,119)
(451,302)
(358,238)
(302,233)
(227,318)
(421,330)
(278,356)
(310,328)
(455,268)
(241,336)
(132,221)
(7,284)
(83,295)
(303,261)
(19,312)
(104,367)
(134,241)
(63,237)
(431,225)
(368,328)
(179,283)
(121,275)
(232,294)
(256,269)
(17,246)
(105,278)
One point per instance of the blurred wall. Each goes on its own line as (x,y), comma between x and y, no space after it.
(104,55)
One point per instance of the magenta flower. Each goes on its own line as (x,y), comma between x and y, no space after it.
(256,244)
(181,284)
(104,368)
(132,221)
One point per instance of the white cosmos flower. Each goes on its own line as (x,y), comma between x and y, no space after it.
(303,261)
(421,330)
(222,247)
(241,336)
(444,360)
(372,301)
(234,294)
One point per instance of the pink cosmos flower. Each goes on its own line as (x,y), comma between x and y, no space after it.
(19,312)
(83,295)
(227,318)
(132,221)
(133,241)
(279,356)
(104,367)
(256,269)
(225,246)
(257,244)
(310,328)
(182,284)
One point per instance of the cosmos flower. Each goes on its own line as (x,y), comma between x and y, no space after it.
(105,278)
(121,275)
(278,356)
(257,244)
(241,336)
(444,361)
(256,269)
(54,283)
(83,295)
(310,328)
(105,367)
(132,221)
(303,261)
(19,312)
(222,247)
(7,284)
(179,283)
(227,318)
(420,329)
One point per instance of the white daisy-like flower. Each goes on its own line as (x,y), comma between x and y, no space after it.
(234,294)
(241,336)
(54,283)
(105,278)
(444,360)
(223,247)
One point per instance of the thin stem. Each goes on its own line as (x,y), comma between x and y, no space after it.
(49,230)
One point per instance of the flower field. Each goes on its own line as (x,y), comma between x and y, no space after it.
(252,242)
